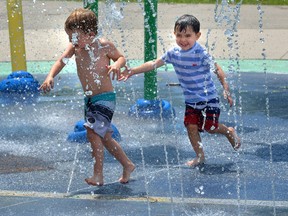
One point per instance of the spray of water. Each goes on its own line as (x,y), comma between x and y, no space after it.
(267,104)
(73,168)
(228,16)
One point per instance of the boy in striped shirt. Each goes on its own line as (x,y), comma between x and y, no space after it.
(193,66)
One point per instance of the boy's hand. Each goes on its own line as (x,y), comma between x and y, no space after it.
(126,73)
(47,85)
(227,96)
(115,70)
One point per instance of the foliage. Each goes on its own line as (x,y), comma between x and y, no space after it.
(252,2)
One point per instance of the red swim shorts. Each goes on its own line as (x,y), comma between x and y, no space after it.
(206,118)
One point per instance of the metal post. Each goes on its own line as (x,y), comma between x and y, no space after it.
(150,47)
(92,5)
(16,35)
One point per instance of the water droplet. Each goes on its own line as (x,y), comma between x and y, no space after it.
(65,60)
(88,93)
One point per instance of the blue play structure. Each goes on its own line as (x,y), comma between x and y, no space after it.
(154,109)
(19,86)
(79,133)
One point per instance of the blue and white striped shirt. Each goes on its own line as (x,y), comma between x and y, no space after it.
(193,68)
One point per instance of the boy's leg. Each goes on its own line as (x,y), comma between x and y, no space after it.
(230,133)
(98,154)
(192,120)
(195,140)
(116,150)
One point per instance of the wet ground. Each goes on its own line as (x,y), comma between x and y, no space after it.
(43,174)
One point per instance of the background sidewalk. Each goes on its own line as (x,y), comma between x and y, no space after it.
(46,39)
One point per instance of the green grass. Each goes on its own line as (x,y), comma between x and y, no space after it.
(251,2)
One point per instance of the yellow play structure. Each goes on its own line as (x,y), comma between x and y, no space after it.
(16,35)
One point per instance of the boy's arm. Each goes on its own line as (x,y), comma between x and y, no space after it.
(146,67)
(118,58)
(222,78)
(48,83)
(115,68)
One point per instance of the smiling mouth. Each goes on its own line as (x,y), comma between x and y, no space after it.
(184,45)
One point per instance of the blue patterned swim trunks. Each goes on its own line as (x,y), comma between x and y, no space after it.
(99,111)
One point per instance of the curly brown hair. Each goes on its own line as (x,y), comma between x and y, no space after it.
(83,19)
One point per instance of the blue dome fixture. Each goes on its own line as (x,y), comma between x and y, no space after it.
(80,134)
(19,86)
(154,109)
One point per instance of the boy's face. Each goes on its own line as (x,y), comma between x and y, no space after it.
(78,38)
(186,38)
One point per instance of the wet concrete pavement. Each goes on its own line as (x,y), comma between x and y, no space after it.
(43,174)
(252,181)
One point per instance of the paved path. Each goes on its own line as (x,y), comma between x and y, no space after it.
(46,39)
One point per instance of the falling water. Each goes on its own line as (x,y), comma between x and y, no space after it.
(174,130)
(146,182)
(176,137)
(167,164)
(262,41)
(169,177)
(73,168)
(114,16)
(229,16)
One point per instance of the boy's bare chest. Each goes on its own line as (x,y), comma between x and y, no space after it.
(90,55)
(91,63)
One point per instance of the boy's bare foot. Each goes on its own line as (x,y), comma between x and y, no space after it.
(234,139)
(195,162)
(95,181)
(126,173)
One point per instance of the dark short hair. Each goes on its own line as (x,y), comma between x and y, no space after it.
(83,19)
(185,21)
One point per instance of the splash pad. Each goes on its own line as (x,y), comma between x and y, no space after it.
(228,184)
(251,182)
